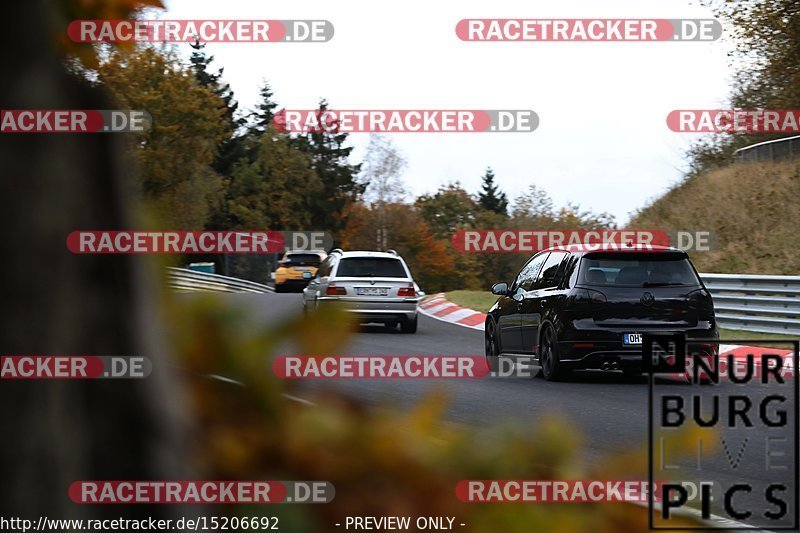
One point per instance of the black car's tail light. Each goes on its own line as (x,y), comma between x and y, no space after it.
(589,296)
(701,300)
(699,293)
(596,297)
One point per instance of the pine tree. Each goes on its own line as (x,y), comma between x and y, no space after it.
(330,160)
(230,150)
(261,118)
(201,63)
(491,198)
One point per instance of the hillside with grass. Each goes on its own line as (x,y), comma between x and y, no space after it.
(752,210)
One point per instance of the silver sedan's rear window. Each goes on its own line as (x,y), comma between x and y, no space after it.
(364,267)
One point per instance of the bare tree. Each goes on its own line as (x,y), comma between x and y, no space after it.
(382,167)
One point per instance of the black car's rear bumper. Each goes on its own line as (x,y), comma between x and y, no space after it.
(590,349)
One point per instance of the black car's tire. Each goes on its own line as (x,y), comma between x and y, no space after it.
(409,326)
(552,368)
(491,349)
(390,325)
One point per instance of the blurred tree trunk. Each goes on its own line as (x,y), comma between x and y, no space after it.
(57,432)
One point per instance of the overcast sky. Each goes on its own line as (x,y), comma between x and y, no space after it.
(602,140)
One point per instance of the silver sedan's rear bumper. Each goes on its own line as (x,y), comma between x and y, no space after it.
(379,310)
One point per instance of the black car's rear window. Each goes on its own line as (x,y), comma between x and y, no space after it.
(303,259)
(637,270)
(363,267)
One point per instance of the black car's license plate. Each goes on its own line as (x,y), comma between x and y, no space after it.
(632,338)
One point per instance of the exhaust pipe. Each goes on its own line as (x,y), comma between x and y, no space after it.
(606,365)
(614,365)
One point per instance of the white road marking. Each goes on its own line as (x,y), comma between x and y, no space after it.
(298,399)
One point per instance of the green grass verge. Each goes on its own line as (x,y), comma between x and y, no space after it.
(483,300)
(476,300)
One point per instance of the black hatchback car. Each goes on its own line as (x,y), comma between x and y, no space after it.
(575,308)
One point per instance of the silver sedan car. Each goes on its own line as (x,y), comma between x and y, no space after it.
(376,286)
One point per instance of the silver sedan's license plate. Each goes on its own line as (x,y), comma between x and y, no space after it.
(631,338)
(372,291)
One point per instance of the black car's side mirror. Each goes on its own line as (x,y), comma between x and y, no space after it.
(500,289)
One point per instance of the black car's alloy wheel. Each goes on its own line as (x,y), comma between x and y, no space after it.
(490,346)
(552,370)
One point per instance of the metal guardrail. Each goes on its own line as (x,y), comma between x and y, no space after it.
(774,150)
(185,280)
(766,304)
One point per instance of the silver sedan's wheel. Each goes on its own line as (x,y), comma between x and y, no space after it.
(409,326)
